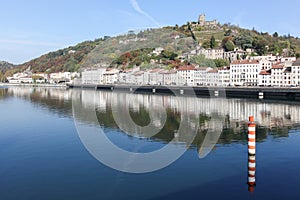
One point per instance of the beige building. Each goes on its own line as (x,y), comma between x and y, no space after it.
(202,21)
(211,53)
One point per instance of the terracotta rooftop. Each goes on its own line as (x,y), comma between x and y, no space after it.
(277,67)
(264,72)
(238,62)
(213,71)
(187,67)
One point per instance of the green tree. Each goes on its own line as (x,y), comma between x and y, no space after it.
(275,35)
(213,43)
(221,62)
(244,41)
(1,77)
(228,32)
(206,45)
(260,45)
(202,61)
(275,49)
(229,46)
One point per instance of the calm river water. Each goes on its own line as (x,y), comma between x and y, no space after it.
(52,146)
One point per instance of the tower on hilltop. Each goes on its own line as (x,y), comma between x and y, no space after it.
(202,21)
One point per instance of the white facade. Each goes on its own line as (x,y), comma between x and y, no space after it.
(224,77)
(234,55)
(186,75)
(264,78)
(170,77)
(111,76)
(295,70)
(212,78)
(93,77)
(200,75)
(211,53)
(277,75)
(244,72)
(155,77)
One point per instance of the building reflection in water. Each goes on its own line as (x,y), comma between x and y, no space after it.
(233,113)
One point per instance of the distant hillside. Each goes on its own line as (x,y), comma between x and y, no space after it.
(67,59)
(225,36)
(4,66)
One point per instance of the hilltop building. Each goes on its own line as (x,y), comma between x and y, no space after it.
(202,21)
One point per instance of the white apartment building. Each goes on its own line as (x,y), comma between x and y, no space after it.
(155,77)
(264,78)
(295,70)
(111,76)
(186,75)
(212,78)
(274,59)
(141,78)
(224,77)
(277,75)
(126,76)
(211,53)
(287,77)
(266,64)
(244,72)
(93,77)
(200,75)
(26,79)
(169,77)
(236,54)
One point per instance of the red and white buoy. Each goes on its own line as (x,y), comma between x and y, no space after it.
(251,154)
(251,136)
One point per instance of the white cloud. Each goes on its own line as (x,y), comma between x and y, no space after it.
(138,9)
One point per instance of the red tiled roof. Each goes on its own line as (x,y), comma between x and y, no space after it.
(213,71)
(264,72)
(277,67)
(187,67)
(238,62)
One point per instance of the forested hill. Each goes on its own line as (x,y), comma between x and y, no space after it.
(225,36)
(4,66)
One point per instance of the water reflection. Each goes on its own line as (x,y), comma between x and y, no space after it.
(186,179)
(272,118)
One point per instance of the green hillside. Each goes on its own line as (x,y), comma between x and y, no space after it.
(222,36)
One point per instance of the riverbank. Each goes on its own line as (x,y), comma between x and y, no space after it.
(35,85)
(267,93)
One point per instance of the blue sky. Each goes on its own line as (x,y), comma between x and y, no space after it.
(34,27)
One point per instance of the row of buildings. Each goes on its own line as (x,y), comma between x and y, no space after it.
(219,53)
(258,71)
(52,78)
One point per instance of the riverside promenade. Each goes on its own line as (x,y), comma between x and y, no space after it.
(267,93)
(46,85)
